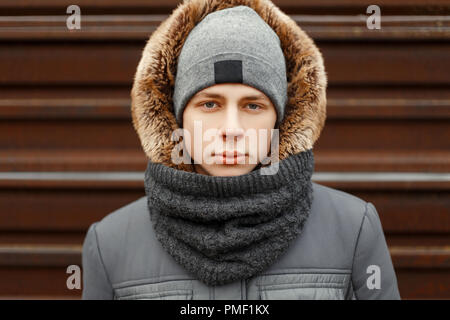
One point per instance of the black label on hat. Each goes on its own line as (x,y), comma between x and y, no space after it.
(228,71)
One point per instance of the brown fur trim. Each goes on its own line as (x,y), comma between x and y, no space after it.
(151,95)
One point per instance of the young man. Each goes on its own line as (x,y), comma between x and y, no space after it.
(220,225)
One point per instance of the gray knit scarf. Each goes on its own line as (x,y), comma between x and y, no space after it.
(222,229)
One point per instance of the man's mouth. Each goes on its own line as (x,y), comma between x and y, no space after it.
(230,157)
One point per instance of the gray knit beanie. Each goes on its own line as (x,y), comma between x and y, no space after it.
(233,45)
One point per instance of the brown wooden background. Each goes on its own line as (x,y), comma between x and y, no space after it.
(69,154)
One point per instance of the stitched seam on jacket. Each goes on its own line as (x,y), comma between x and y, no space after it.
(262,281)
(356,246)
(152,280)
(310,271)
(303,285)
(100,256)
(158,294)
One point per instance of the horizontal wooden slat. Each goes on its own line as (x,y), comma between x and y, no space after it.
(72,160)
(76,296)
(69,237)
(385,135)
(68,63)
(158,3)
(71,180)
(423,283)
(100,108)
(376,108)
(35,281)
(390,63)
(139,6)
(68,135)
(421,257)
(382,161)
(20,255)
(385,180)
(99,180)
(406,240)
(143,33)
(58,208)
(139,27)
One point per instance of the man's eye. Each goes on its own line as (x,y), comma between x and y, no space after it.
(254,106)
(209,104)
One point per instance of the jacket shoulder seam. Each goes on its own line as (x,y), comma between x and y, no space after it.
(119,211)
(356,245)
(347,195)
(340,193)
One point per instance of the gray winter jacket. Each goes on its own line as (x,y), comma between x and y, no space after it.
(339,255)
(341,252)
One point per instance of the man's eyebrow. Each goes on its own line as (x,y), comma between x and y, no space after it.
(254,97)
(209,95)
(216,95)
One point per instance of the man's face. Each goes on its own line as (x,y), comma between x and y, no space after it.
(232,117)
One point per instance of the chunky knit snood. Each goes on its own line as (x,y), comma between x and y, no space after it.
(223,229)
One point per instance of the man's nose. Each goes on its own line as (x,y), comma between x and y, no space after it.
(231,125)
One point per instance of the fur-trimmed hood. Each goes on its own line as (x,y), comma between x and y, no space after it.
(151,95)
